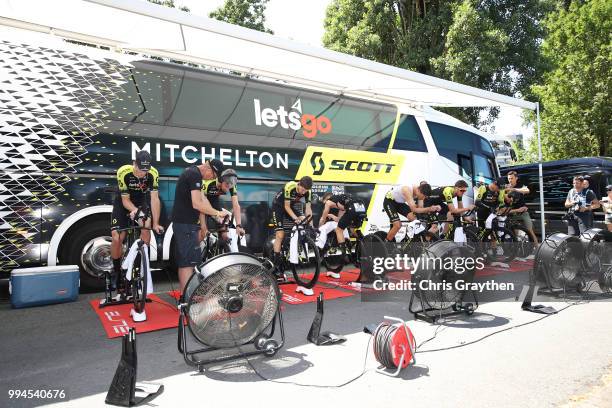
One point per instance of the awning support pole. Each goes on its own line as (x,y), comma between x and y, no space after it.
(540,174)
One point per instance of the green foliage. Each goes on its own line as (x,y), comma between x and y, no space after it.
(489,44)
(575,94)
(245,13)
(169,3)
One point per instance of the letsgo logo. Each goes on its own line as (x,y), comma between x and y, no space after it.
(325,164)
(293,118)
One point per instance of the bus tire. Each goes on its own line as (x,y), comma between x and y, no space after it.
(73,246)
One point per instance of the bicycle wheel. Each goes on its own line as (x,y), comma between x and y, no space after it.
(306,272)
(332,254)
(504,248)
(139,284)
(524,241)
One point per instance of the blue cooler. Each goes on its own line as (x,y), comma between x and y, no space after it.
(43,286)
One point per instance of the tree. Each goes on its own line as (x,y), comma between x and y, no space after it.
(575,94)
(169,3)
(489,44)
(245,13)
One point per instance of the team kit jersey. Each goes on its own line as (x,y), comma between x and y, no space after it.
(354,210)
(212,191)
(280,218)
(444,195)
(134,187)
(491,199)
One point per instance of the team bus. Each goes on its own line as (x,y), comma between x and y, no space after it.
(72,114)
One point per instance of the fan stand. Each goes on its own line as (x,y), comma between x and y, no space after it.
(268,347)
(431,315)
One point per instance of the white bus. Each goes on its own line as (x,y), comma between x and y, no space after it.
(72,114)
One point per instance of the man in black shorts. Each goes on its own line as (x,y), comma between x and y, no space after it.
(351,214)
(287,209)
(138,184)
(188,204)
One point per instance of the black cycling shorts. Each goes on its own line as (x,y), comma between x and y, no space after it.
(120,216)
(393,208)
(354,215)
(281,220)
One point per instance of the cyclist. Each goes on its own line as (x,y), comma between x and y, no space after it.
(351,213)
(212,190)
(404,200)
(135,181)
(443,197)
(287,210)
(488,198)
(518,203)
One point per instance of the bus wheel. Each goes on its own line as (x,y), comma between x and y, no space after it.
(89,247)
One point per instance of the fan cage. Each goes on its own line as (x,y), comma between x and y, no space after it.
(247,284)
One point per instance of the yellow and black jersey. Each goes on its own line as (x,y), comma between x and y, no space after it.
(444,194)
(212,189)
(290,193)
(136,187)
(490,198)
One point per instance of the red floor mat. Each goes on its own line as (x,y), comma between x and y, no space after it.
(297,298)
(116,320)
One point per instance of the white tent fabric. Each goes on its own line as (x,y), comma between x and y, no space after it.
(143,27)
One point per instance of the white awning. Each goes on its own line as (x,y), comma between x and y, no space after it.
(150,29)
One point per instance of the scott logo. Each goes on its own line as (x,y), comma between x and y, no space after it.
(293,118)
(317,163)
(363,167)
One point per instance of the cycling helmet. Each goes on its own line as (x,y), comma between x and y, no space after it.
(230,177)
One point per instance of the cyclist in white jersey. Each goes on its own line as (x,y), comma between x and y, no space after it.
(404,200)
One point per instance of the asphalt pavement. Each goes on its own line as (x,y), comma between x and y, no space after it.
(501,356)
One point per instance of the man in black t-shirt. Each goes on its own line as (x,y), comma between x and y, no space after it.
(188,204)
(519,190)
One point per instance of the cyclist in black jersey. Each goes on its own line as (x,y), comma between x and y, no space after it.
(351,214)
(287,209)
(443,196)
(488,198)
(135,181)
(226,183)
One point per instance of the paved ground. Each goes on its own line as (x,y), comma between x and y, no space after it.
(564,359)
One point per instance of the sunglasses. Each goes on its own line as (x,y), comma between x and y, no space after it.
(462,190)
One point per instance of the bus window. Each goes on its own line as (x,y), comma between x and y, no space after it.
(451,141)
(484,169)
(409,136)
(465,167)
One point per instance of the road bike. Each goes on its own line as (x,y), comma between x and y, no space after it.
(214,243)
(306,270)
(132,282)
